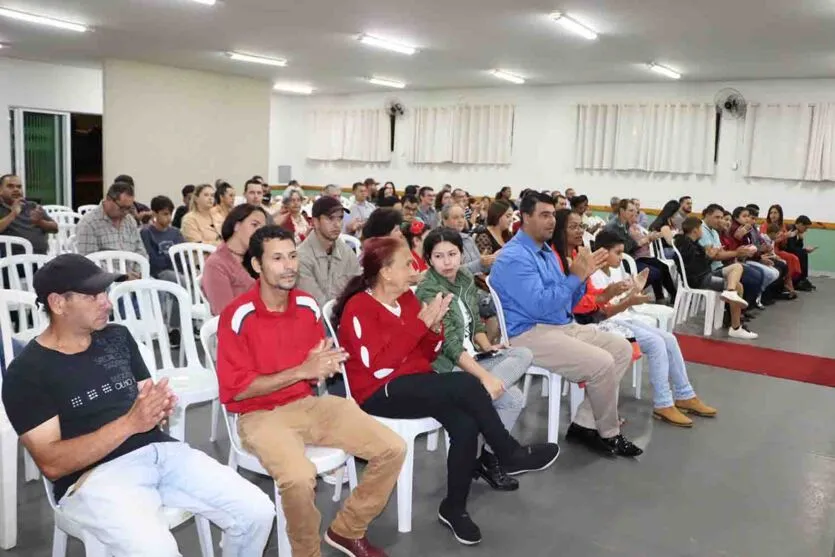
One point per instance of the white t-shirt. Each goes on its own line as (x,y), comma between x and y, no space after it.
(468,327)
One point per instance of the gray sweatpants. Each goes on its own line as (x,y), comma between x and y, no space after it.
(509,366)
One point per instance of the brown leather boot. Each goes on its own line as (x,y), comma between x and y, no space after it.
(696,406)
(672,416)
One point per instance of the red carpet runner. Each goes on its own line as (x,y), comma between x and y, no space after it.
(755,359)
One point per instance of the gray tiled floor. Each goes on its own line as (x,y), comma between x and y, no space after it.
(758,481)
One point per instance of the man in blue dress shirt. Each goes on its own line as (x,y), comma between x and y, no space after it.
(537,298)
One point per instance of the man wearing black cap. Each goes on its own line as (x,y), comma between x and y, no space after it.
(86,408)
(326,263)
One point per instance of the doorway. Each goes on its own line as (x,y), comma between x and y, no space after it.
(86,155)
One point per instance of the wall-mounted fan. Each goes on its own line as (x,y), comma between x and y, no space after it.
(395,108)
(730,104)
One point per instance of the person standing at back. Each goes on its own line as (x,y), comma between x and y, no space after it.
(23,219)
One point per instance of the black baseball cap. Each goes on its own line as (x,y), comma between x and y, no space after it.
(327,206)
(72,273)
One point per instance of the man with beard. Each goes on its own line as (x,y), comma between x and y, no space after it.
(271,352)
(685,208)
(326,263)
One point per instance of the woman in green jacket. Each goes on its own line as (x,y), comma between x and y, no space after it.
(466,346)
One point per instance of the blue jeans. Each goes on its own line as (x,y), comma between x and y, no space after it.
(752,282)
(769,274)
(666,364)
(119,502)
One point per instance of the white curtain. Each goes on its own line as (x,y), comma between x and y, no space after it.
(676,138)
(778,140)
(464,134)
(351,135)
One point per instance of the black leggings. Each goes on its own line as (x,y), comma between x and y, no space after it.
(464,408)
(659,277)
(804,262)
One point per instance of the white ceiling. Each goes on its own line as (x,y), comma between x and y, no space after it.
(707,40)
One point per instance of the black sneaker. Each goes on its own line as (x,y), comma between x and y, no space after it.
(463,528)
(490,470)
(590,439)
(532,458)
(621,446)
(174,338)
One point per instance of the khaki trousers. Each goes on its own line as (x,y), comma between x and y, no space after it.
(582,353)
(278,437)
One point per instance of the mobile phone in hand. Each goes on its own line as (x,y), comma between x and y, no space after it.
(485,355)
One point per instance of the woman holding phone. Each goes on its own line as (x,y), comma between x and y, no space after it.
(466,346)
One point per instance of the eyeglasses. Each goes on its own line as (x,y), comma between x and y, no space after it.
(123,208)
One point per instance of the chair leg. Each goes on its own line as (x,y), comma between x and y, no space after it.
(526,386)
(8,490)
(339,477)
(93,547)
(545,382)
(719,315)
(577,396)
(282,539)
(30,469)
(710,301)
(404,489)
(637,369)
(432,441)
(215,419)
(59,542)
(352,473)
(554,406)
(204,535)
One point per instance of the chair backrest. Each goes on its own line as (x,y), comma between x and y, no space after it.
(19,270)
(352,241)
(63,240)
(629,261)
(588,238)
(327,317)
(8,243)
(208,339)
(682,273)
(31,321)
(139,305)
(114,261)
(499,311)
(71,245)
(65,217)
(189,259)
(53,210)
(84,209)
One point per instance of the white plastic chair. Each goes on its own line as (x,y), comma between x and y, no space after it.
(661,314)
(115,261)
(323,458)
(689,301)
(189,259)
(408,430)
(193,383)
(352,241)
(8,243)
(84,209)
(554,379)
(24,304)
(63,241)
(66,527)
(65,217)
(20,270)
(53,210)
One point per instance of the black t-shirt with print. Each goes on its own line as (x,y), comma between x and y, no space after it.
(86,391)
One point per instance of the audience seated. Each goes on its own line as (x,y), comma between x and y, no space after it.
(685,207)
(735,235)
(637,244)
(110,226)
(409,205)
(391,342)
(426,207)
(224,201)
(491,238)
(187,193)
(254,192)
(22,218)
(452,216)
(383,222)
(783,287)
(538,298)
(225,276)
(326,263)
(641,218)
(506,194)
(290,216)
(371,185)
(789,248)
(332,190)
(703,267)
(140,212)
(414,233)
(795,244)
(199,224)
(614,203)
(271,352)
(664,225)
(591,223)
(386,191)
(443,199)
(466,345)
(391,201)
(778,236)
(665,362)
(88,412)
(359,212)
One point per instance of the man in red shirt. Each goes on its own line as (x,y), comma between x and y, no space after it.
(271,351)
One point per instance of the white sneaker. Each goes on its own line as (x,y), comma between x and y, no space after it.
(742,333)
(732,297)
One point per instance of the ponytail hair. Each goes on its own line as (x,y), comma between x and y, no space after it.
(377,253)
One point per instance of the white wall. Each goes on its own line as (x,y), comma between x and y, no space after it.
(35,85)
(543,147)
(168,127)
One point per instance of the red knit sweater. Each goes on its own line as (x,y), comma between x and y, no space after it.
(383,346)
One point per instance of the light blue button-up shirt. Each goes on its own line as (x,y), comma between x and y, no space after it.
(710,238)
(532,287)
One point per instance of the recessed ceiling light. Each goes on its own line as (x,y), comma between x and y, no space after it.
(296,88)
(508,76)
(385,82)
(240,57)
(43,20)
(387,44)
(664,70)
(571,24)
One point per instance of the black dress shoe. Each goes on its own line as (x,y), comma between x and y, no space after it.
(489,469)
(803,286)
(621,446)
(531,458)
(590,438)
(458,520)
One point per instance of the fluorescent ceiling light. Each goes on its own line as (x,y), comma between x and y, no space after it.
(293,88)
(386,82)
(387,44)
(206,2)
(240,57)
(664,70)
(507,76)
(571,24)
(43,20)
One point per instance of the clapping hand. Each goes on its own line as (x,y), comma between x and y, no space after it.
(322,361)
(637,299)
(432,314)
(155,403)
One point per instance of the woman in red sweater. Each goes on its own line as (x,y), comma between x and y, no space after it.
(392,341)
